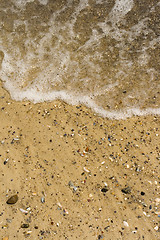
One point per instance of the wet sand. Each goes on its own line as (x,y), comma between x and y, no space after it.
(77,175)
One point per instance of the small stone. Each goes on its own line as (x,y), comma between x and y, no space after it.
(13,199)
(104,190)
(25,225)
(126,190)
(106,228)
(142,193)
(138,169)
(5,162)
(100,237)
(5,226)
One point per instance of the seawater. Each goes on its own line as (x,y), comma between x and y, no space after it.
(101,53)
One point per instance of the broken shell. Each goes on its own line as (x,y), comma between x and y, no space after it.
(13,199)
(125,224)
(71,185)
(126,190)
(5,162)
(42,199)
(23,211)
(86,169)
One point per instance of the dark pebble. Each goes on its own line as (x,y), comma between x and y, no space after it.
(105,189)
(5,162)
(100,237)
(13,199)
(106,228)
(126,190)
(25,225)
(142,193)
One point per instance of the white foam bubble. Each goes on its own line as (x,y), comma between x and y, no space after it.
(99,1)
(43,2)
(120,9)
(143,59)
(138,28)
(21,3)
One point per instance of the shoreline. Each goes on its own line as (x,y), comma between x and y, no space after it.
(77,175)
(86,102)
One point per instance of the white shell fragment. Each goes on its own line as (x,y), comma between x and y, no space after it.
(125,224)
(157,201)
(71,185)
(156,228)
(23,211)
(42,199)
(86,169)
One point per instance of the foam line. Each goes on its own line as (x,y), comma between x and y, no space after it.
(34,96)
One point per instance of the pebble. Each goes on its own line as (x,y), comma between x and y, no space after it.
(25,225)
(13,199)
(5,238)
(5,226)
(142,193)
(105,189)
(126,190)
(100,237)
(5,162)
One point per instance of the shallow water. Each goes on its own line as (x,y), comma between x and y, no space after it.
(104,53)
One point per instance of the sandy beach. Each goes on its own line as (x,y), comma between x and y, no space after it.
(66,172)
(71,174)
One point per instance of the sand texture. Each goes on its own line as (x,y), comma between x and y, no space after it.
(75,175)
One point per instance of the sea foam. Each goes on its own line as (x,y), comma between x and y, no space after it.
(103,54)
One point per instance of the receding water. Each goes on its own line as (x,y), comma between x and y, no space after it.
(102,53)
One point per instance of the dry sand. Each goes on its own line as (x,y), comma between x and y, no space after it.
(70,170)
